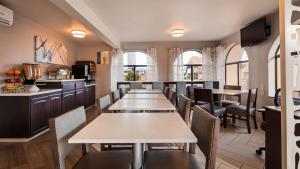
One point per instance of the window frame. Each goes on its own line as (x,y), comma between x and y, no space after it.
(134,66)
(192,65)
(234,63)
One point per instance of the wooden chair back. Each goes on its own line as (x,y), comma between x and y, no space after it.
(61,129)
(252,98)
(166,91)
(206,128)
(115,95)
(184,108)
(204,97)
(103,103)
(172,96)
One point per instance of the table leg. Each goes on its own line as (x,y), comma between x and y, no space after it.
(192,148)
(137,155)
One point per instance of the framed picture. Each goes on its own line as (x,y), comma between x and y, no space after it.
(49,51)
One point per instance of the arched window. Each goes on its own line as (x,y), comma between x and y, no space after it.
(135,63)
(237,67)
(192,65)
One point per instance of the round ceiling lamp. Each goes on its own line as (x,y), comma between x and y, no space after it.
(78,33)
(177,33)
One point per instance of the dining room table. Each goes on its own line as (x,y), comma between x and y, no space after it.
(137,129)
(226,92)
(158,96)
(142,105)
(144,91)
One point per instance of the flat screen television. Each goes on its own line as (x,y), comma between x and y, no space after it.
(254,33)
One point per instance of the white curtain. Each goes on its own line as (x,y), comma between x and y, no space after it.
(151,70)
(116,69)
(208,64)
(176,64)
(220,65)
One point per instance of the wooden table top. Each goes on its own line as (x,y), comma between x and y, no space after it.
(145,96)
(135,128)
(142,104)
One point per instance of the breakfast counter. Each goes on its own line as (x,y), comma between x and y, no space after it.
(26,93)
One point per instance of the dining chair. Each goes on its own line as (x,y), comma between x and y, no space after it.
(166,91)
(136,85)
(206,128)
(184,110)
(123,91)
(115,95)
(63,127)
(204,98)
(229,100)
(245,112)
(158,86)
(103,104)
(172,96)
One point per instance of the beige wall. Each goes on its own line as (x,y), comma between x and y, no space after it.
(17,44)
(162,52)
(89,53)
(258,59)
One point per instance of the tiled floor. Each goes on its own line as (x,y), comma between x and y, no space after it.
(236,150)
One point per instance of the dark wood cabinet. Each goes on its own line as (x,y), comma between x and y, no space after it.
(39,114)
(80,98)
(68,101)
(55,105)
(89,96)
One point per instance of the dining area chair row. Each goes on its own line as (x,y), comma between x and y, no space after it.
(204,126)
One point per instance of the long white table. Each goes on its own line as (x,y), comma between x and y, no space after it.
(144,91)
(138,129)
(145,96)
(142,105)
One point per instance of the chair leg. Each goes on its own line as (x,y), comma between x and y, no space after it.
(248,124)
(233,119)
(255,123)
(225,120)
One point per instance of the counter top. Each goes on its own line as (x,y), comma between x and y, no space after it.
(42,91)
(67,80)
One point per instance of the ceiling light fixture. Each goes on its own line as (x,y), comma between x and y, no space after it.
(78,33)
(177,33)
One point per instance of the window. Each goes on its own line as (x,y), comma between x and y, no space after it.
(135,64)
(237,67)
(192,65)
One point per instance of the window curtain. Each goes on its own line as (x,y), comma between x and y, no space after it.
(116,69)
(176,64)
(220,65)
(151,70)
(208,63)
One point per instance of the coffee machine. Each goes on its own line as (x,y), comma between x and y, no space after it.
(84,70)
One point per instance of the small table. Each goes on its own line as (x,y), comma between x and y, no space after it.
(144,91)
(226,92)
(142,105)
(138,129)
(145,96)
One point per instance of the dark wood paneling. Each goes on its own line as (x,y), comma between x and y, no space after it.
(68,86)
(273,139)
(55,105)
(69,101)
(80,98)
(39,114)
(79,85)
(14,117)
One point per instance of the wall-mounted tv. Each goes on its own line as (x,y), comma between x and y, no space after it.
(256,32)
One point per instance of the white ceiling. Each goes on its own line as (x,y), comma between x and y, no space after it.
(151,20)
(46,13)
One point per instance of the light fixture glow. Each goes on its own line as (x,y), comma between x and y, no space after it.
(177,33)
(78,33)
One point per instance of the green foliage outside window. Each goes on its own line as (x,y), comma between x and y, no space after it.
(129,76)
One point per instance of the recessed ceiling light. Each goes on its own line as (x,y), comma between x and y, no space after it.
(177,33)
(78,33)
